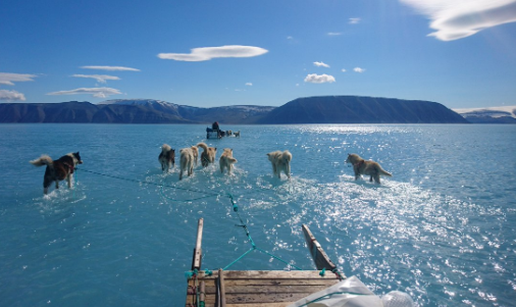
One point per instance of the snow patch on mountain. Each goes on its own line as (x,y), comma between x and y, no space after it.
(494,112)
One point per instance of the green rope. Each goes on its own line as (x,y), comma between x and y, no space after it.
(206,195)
(238,259)
(253,245)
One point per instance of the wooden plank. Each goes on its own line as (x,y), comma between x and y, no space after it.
(296,274)
(319,256)
(202,292)
(269,290)
(222,290)
(245,299)
(197,256)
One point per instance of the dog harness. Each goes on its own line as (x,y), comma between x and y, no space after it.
(70,167)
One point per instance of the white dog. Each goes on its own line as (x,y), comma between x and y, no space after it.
(208,154)
(280,162)
(186,161)
(226,160)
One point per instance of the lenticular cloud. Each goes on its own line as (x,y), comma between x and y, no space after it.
(208,53)
(99,92)
(456,19)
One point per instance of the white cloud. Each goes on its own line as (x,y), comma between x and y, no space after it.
(315,78)
(249,84)
(99,78)
(11,95)
(9,78)
(334,33)
(358,69)
(111,68)
(321,64)
(208,53)
(343,70)
(354,21)
(99,92)
(290,37)
(456,19)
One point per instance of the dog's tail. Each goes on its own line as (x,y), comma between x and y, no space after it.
(43,160)
(165,148)
(203,146)
(383,172)
(232,160)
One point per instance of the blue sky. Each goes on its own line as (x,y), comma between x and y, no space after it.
(216,53)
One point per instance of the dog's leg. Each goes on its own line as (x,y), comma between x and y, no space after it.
(69,180)
(287,170)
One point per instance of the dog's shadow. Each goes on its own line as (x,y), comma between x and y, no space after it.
(365,182)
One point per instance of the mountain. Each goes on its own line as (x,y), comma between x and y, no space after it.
(494,115)
(356,109)
(327,109)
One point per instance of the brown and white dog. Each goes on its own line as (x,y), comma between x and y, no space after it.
(167,158)
(280,162)
(371,168)
(208,154)
(58,170)
(226,160)
(186,161)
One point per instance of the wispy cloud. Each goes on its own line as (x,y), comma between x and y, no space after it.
(11,95)
(343,70)
(9,78)
(334,33)
(321,64)
(99,92)
(111,68)
(208,53)
(249,84)
(315,78)
(99,78)
(358,69)
(456,19)
(354,21)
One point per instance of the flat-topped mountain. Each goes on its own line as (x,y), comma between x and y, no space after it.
(356,109)
(311,110)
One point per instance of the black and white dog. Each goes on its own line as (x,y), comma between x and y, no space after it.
(58,170)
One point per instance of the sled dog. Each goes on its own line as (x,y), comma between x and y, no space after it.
(58,170)
(363,167)
(280,162)
(167,158)
(186,161)
(226,160)
(208,154)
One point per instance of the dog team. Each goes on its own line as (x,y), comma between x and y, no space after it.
(63,168)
